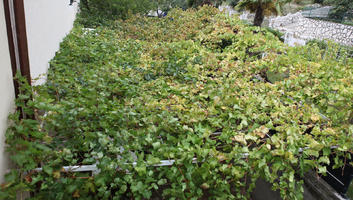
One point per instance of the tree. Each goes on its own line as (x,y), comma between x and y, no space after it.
(261,8)
(166,5)
(340,8)
(233,3)
(196,3)
(178,3)
(113,9)
(85,4)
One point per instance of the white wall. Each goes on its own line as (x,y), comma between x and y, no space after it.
(48,22)
(6,89)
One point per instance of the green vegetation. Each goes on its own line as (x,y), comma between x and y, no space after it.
(233,3)
(295,6)
(345,51)
(230,103)
(97,12)
(303,2)
(319,1)
(350,192)
(197,3)
(342,9)
(262,8)
(277,33)
(167,5)
(112,9)
(320,43)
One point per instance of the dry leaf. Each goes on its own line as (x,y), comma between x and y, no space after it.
(240,138)
(56,174)
(221,157)
(76,194)
(315,118)
(262,131)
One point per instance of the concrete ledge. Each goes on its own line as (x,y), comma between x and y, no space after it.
(315,188)
(319,189)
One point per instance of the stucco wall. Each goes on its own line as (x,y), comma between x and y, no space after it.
(6,89)
(48,22)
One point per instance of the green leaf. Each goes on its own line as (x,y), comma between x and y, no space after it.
(47,169)
(322,169)
(162,182)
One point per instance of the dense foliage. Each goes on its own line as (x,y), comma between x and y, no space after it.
(341,9)
(228,102)
(97,12)
(232,3)
(197,3)
(167,5)
(118,8)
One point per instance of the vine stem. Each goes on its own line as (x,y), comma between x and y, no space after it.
(345,163)
(187,182)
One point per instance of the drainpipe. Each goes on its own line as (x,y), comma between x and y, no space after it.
(17,39)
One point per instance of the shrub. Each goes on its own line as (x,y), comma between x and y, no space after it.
(191,88)
(341,9)
(197,3)
(343,51)
(233,3)
(320,43)
(276,33)
(97,12)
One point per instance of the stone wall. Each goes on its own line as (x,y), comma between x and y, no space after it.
(302,28)
(298,29)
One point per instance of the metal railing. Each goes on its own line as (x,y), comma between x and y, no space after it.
(326,13)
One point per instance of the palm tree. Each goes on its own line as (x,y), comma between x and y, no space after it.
(261,8)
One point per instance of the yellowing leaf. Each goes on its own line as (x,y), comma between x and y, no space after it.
(221,157)
(76,194)
(205,186)
(315,118)
(262,131)
(314,145)
(216,100)
(240,138)
(56,174)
